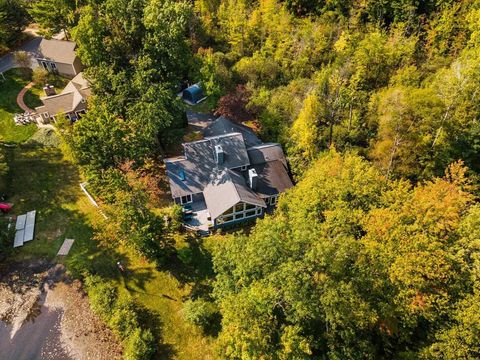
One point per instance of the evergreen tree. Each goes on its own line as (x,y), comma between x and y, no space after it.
(54,15)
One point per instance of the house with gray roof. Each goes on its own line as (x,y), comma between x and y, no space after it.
(59,57)
(71,102)
(228,177)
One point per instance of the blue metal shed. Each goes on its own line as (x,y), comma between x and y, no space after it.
(193,94)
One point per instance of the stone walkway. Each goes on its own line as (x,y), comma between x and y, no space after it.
(20,96)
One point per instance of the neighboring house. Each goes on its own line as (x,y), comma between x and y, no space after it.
(58,56)
(71,102)
(228,177)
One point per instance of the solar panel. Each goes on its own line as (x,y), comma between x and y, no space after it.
(18,239)
(21,219)
(29,230)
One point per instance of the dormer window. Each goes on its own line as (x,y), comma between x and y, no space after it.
(187,199)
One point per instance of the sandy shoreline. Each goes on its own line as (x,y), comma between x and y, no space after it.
(38,302)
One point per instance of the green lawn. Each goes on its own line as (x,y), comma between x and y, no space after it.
(207,106)
(32,97)
(41,179)
(162,293)
(9,89)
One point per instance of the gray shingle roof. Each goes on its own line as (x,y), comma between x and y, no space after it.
(60,103)
(273,178)
(222,126)
(203,152)
(263,153)
(196,176)
(224,185)
(57,50)
(199,163)
(226,189)
(69,100)
(234,147)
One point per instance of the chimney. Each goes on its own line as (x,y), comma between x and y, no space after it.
(252,179)
(219,154)
(49,90)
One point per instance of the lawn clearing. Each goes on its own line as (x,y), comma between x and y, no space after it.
(42,179)
(32,97)
(206,107)
(9,89)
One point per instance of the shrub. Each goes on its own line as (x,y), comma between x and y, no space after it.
(22,59)
(121,314)
(140,345)
(102,296)
(40,76)
(6,236)
(174,214)
(124,319)
(234,104)
(200,312)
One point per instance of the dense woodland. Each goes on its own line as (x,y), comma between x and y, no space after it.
(375,252)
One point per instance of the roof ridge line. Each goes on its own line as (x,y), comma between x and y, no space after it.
(269,144)
(234,186)
(209,138)
(58,95)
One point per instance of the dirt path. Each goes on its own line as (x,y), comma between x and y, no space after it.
(46,316)
(20,96)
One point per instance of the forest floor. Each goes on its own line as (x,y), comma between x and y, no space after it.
(41,178)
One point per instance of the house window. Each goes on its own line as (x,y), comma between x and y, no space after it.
(228,218)
(250,213)
(45,115)
(239,212)
(186,199)
(53,66)
(249,206)
(244,168)
(44,65)
(239,216)
(273,200)
(239,207)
